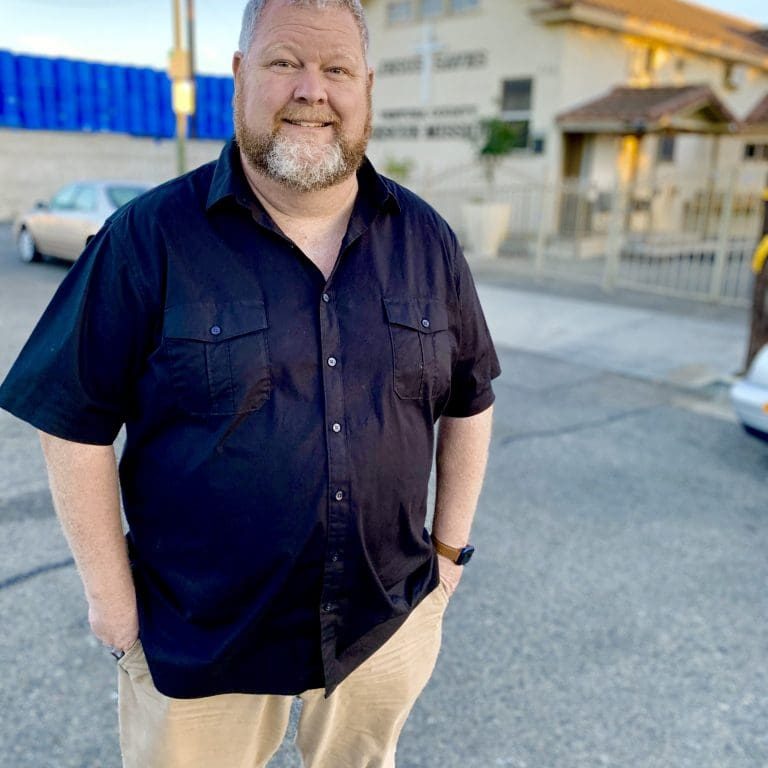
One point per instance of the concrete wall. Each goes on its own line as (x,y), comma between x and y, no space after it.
(34,164)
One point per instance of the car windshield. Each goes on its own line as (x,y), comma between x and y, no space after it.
(121,195)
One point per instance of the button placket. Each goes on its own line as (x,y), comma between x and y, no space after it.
(339,512)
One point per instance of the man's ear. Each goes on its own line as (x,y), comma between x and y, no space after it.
(371,77)
(237,60)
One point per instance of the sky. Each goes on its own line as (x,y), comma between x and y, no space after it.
(140,32)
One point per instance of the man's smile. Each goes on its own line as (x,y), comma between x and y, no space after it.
(307,123)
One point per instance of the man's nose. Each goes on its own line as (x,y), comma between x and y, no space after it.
(310,88)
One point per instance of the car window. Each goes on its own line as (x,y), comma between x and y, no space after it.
(121,195)
(85,198)
(64,199)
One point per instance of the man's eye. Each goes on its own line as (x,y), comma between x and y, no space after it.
(282,64)
(337,71)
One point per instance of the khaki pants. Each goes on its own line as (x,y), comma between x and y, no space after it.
(356,727)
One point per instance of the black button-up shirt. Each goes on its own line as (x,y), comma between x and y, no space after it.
(279,427)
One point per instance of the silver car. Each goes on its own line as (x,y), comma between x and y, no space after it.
(75,213)
(750,396)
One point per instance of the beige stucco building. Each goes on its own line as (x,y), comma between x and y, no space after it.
(603,91)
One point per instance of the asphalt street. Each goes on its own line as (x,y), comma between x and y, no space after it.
(615,613)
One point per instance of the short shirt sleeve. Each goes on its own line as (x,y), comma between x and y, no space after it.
(75,377)
(477,364)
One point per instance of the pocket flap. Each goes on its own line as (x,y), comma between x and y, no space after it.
(424,315)
(214,322)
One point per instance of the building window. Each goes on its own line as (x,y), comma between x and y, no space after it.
(734,76)
(666,149)
(756,152)
(431,8)
(516,101)
(459,6)
(516,96)
(399,11)
(403,11)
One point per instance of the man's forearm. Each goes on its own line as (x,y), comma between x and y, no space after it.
(462,455)
(84,486)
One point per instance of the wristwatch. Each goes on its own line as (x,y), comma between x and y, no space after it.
(458,555)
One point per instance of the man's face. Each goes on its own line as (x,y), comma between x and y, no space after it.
(303,96)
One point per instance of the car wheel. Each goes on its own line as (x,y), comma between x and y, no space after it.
(27,247)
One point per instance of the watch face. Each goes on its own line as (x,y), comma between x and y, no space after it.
(465,555)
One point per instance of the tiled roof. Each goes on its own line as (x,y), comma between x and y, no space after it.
(759,115)
(688,17)
(648,107)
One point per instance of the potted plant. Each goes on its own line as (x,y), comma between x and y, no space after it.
(486,220)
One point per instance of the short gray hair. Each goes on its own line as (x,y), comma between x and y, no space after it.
(254,9)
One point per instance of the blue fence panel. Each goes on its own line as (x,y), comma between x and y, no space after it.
(151,93)
(167,118)
(102,97)
(66,87)
(9,91)
(63,94)
(86,96)
(212,97)
(48,105)
(228,91)
(219,107)
(136,116)
(29,92)
(203,106)
(118,117)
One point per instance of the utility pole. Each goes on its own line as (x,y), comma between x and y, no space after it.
(183,88)
(192,62)
(758,335)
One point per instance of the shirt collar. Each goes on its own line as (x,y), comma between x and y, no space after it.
(229,182)
(228,179)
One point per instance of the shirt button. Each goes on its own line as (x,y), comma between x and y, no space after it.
(326,298)
(328,607)
(339,495)
(332,362)
(335,557)
(215,330)
(336,427)
(425,322)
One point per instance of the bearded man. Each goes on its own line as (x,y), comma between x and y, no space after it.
(279,332)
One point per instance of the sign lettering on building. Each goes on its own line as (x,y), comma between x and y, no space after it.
(442,122)
(441,62)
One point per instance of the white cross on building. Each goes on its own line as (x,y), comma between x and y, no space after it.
(426,48)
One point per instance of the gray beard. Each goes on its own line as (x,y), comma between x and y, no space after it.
(303,165)
(299,164)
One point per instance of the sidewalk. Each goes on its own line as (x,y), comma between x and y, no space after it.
(670,342)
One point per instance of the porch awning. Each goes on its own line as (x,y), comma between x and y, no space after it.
(757,120)
(626,110)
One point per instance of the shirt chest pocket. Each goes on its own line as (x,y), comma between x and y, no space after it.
(218,357)
(421,347)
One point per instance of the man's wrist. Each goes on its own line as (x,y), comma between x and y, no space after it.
(457,555)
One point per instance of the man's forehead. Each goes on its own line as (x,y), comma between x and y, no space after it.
(286,44)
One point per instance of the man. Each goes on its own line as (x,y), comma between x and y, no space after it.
(279,331)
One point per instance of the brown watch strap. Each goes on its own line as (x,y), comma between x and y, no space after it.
(452,553)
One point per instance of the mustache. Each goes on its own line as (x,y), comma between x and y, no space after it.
(308,116)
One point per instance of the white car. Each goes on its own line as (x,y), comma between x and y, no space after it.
(750,396)
(76,213)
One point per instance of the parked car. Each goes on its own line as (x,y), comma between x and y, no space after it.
(75,213)
(750,396)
